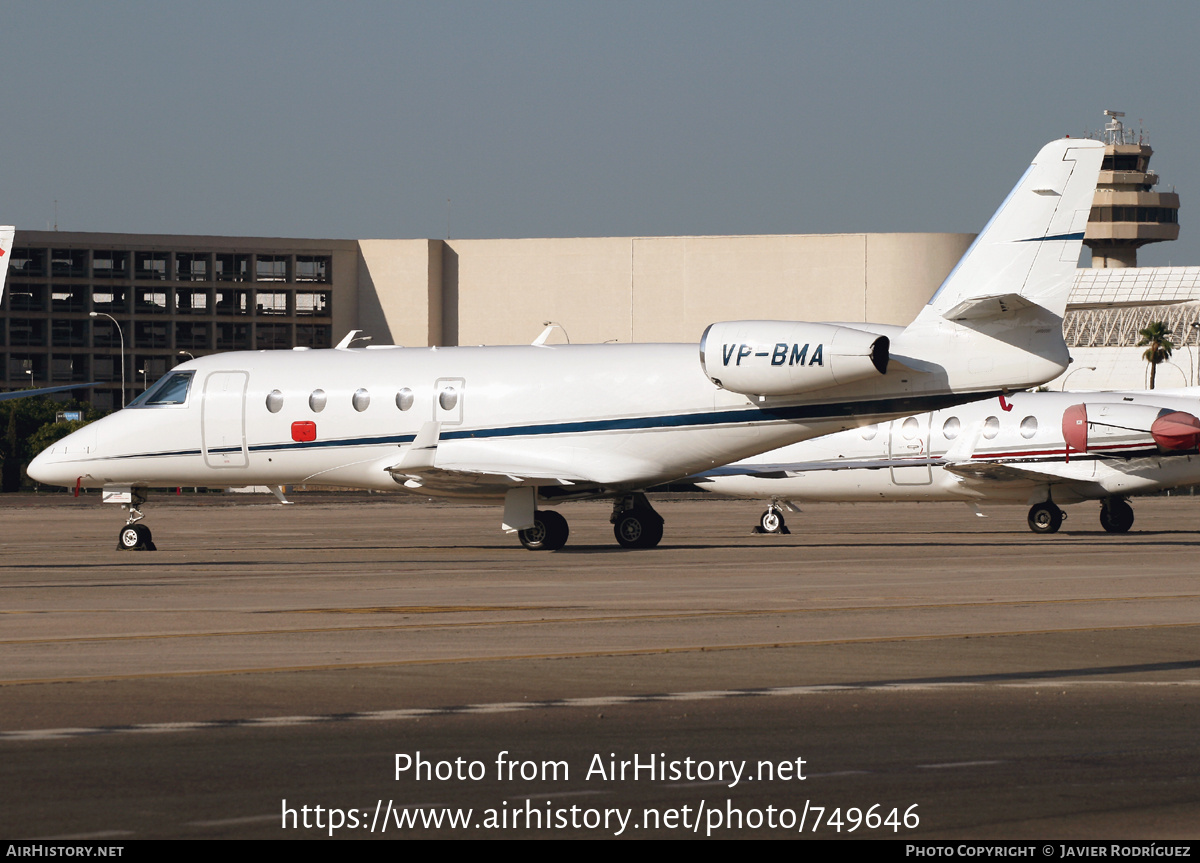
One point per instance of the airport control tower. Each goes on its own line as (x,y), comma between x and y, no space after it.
(1127,213)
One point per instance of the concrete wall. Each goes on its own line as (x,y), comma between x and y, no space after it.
(641,288)
(399,291)
(1125,369)
(507,288)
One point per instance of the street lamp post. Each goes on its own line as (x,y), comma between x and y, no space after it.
(1182,373)
(1192,366)
(122,335)
(1063,388)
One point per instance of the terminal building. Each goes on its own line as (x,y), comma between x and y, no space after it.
(113,312)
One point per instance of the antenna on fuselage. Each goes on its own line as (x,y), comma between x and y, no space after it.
(550,326)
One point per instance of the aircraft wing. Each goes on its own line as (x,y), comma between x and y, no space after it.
(487,467)
(20,394)
(783,470)
(1032,473)
(484,478)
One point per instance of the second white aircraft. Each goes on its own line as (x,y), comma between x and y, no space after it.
(536,425)
(1039,449)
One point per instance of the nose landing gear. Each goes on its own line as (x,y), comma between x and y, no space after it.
(772,520)
(134,536)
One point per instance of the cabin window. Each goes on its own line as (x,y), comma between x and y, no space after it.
(360,400)
(404,399)
(910,428)
(991,427)
(317,401)
(1029,427)
(171,390)
(274,401)
(448,398)
(868,432)
(951,428)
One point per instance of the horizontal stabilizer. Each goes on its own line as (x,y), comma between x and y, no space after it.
(981,308)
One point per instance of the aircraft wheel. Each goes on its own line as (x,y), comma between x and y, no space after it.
(1045,518)
(135,537)
(549,532)
(1116,516)
(638,529)
(772,521)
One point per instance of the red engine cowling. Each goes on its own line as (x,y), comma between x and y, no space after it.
(1122,427)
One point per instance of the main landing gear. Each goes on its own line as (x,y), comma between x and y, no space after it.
(1045,517)
(549,532)
(772,520)
(1116,515)
(635,523)
(134,536)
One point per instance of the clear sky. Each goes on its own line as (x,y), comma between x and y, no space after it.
(572,117)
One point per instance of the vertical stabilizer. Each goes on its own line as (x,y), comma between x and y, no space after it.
(6,242)
(1028,252)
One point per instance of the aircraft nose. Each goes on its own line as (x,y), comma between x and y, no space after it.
(64,461)
(44,468)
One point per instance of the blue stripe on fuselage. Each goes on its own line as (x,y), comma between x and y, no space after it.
(715,418)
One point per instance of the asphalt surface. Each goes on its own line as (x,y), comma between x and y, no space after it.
(957,677)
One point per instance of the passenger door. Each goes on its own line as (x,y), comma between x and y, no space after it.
(908,440)
(223,420)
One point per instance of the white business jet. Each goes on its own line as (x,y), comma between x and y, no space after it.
(1039,449)
(539,424)
(6,243)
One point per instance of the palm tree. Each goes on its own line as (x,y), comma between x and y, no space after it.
(1158,337)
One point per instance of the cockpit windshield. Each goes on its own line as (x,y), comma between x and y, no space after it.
(170,390)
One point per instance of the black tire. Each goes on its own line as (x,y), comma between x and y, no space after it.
(129,538)
(1116,516)
(135,537)
(1045,518)
(638,529)
(549,532)
(772,521)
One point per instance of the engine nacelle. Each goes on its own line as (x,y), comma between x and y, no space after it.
(783,358)
(1116,428)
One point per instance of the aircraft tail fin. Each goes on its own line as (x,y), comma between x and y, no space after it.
(1028,252)
(6,242)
